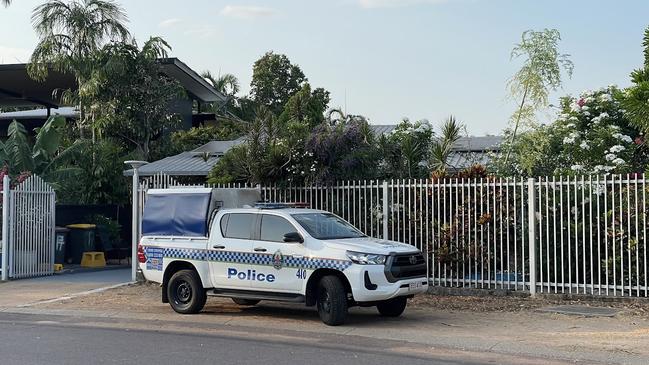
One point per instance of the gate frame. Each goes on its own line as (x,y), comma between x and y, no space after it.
(41,242)
(5,228)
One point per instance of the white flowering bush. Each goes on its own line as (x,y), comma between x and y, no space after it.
(591,135)
(405,150)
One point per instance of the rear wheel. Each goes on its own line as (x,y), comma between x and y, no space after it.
(392,307)
(332,301)
(186,293)
(242,301)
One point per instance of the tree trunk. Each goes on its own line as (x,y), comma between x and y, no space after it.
(518,120)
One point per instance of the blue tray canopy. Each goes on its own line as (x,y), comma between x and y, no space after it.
(177,212)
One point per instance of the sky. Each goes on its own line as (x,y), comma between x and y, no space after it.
(385,59)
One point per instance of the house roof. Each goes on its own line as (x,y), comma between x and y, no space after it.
(464,144)
(379,129)
(478,143)
(194,83)
(18,89)
(198,162)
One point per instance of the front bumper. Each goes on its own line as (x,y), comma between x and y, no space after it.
(380,288)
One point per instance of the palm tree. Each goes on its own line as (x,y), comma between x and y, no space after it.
(227,84)
(69,33)
(442,146)
(636,100)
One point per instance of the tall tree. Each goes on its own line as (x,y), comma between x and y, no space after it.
(539,74)
(305,107)
(69,33)
(131,94)
(274,80)
(636,101)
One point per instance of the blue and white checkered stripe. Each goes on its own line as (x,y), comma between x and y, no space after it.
(266,259)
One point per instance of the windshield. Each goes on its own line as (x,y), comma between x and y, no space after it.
(326,226)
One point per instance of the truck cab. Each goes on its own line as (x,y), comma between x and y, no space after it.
(271,251)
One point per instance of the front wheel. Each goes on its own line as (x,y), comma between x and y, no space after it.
(186,293)
(332,301)
(392,307)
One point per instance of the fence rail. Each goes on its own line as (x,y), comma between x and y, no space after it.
(579,235)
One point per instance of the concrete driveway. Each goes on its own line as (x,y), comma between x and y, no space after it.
(28,291)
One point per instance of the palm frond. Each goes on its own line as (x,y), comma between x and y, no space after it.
(155,48)
(442,147)
(17,148)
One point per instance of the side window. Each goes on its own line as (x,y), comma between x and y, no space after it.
(239,225)
(273,228)
(224,223)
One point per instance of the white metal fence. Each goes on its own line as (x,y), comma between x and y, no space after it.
(579,235)
(28,229)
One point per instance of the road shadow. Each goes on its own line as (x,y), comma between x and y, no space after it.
(358,317)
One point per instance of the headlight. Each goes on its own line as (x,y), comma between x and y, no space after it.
(366,258)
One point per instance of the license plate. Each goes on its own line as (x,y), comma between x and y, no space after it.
(414,286)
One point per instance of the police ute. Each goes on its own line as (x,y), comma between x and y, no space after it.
(199,242)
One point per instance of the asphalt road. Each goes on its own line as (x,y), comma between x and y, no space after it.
(33,339)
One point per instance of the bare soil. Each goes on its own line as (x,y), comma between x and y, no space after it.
(145,298)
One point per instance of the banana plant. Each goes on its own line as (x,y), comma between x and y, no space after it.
(45,156)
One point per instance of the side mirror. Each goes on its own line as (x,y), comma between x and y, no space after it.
(293,237)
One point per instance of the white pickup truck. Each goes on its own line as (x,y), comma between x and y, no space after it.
(194,245)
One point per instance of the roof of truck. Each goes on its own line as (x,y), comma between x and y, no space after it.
(282,210)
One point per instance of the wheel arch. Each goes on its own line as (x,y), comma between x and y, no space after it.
(171,269)
(314,279)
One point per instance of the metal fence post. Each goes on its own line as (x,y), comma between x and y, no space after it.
(531,225)
(5,228)
(385,210)
(135,231)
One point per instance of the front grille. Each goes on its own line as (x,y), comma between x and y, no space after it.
(405,266)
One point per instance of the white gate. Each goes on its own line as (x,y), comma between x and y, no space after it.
(28,229)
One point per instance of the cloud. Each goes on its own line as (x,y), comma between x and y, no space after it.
(371,4)
(202,31)
(247,12)
(14,55)
(168,23)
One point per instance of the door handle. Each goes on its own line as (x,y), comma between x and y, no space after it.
(218,247)
(260,249)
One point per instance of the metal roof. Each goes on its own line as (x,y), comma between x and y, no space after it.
(219,146)
(198,162)
(194,83)
(468,144)
(462,160)
(478,143)
(379,129)
(18,89)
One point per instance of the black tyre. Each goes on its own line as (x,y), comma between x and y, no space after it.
(392,307)
(186,293)
(242,301)
(332,301)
